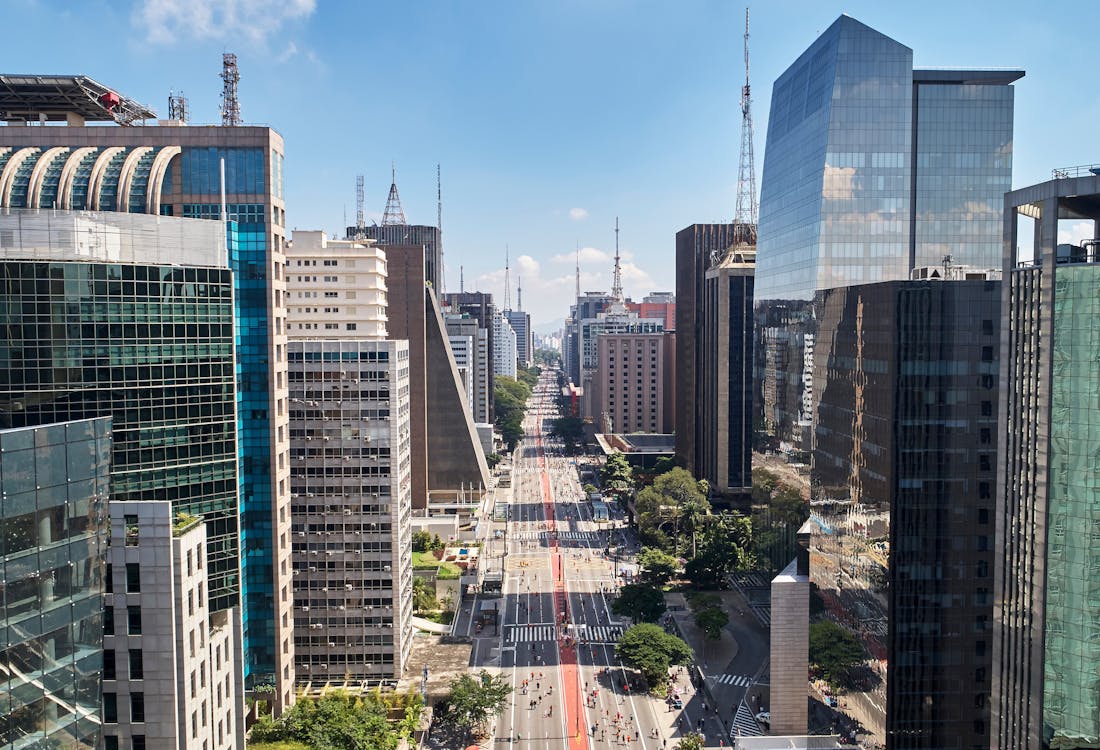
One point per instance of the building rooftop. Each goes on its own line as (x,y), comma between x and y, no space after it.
(637,442)
(66,98)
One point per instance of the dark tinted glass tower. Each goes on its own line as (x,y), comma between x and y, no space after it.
(906,431)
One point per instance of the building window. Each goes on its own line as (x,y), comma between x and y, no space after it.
(131,522)
(109,663)
(137,664)
(110,708)
(133,578)
(133,620)
(351,326)
(109,582)
(138,742)
(137,707)
(109,621)
(110,742)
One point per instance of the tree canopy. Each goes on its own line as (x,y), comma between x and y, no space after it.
(723,548)
(778,512)
(639,601)
(693,741)
(474,699)
(650,650)
(672,506)
(834,651)
(340,721)
(711,621)
(509,402)
(658,567)
(617,474)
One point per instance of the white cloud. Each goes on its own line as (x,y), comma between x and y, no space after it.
(588,255)
(578,214)
(1074,233)
(290,51)
(169,21)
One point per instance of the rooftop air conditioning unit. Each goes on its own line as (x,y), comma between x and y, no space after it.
(312,568)
(331,644)
(305,609)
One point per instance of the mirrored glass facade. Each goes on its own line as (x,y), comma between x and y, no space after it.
(152,346)
(872,169)
(53,536)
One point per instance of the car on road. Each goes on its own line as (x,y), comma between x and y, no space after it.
(676,701)
(765,718)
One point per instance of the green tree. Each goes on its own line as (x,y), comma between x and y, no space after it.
(724,548)
(673,503)
(639,601)
(493,459)
(617,473)
(693,741)
(509,402)
(664,464)
(421,541)
(548,357)
(711,621)
(437,543)
(834,651)
(650,650)
(658,567)
(423,595)
(474,699)
(338,721)
(569,429)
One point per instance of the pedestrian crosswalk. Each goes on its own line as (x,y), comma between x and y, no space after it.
(566,536)
(739,680)
(744,725)
(598,633)
(530,633)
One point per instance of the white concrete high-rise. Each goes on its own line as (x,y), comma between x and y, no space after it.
(504,346)
(336,288)
(351,464)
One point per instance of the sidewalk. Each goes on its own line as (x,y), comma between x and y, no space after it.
(712,659)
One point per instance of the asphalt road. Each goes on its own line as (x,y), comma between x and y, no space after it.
(557,633)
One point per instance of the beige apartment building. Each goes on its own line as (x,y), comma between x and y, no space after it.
(633,383)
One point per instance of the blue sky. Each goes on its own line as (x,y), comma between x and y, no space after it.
(549,119)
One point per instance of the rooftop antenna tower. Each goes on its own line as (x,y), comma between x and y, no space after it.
(461,280)
(507,282)
(393,215)
(231,108)
(360,197)
(746,171)
(519,293)
(578,269)
(617,282)
(439,225)
(177,106)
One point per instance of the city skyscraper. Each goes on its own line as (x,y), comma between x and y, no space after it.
(1046,603)
(871,169)
(506,349)
(521,324)
(906,443)
(54,480)
(632,383)
(174,170)
(698,247)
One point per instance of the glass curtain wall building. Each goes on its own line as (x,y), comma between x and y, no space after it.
(1047,593)
(872,169)
(53,543)
(174,170)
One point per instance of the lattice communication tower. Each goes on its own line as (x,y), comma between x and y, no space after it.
(231,107)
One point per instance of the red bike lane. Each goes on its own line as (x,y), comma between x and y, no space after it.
(575,723)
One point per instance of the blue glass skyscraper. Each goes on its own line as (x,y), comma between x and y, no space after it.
(878,172)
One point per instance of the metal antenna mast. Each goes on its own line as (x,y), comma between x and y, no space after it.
(393,215)
(519,293)
(177,106)
(439,226)
(578,269)
(461,279)
(507,282)
(360,197)
(617,282)
(231,108)
(746,171)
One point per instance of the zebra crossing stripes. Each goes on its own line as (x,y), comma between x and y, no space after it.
(530,633)
(744,724)
(598,633)
(567,536)
(738,680)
